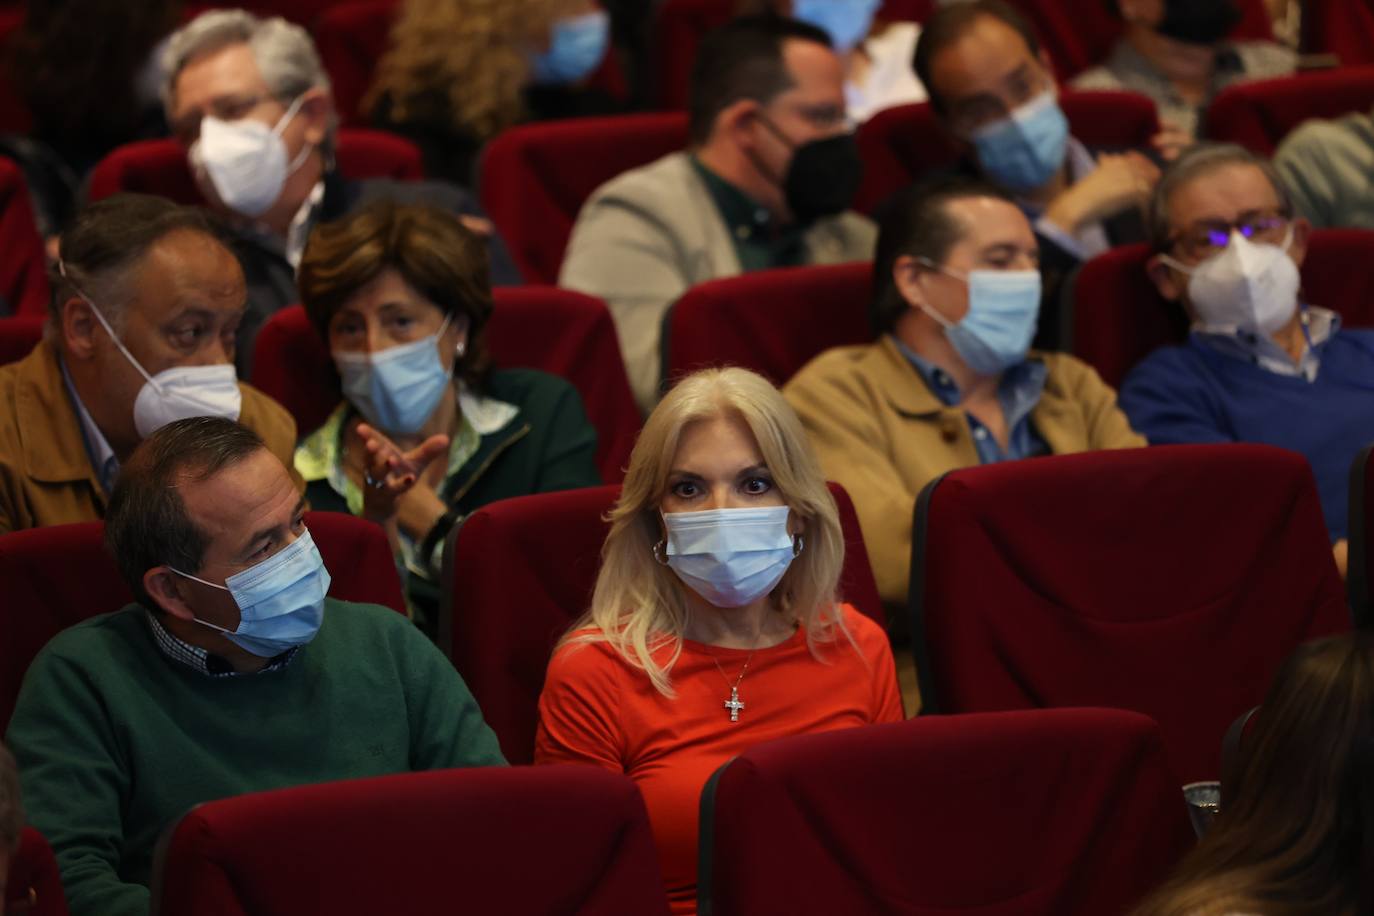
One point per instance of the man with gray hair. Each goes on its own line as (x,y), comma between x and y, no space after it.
(146,304)
(1260,365)
(250,101)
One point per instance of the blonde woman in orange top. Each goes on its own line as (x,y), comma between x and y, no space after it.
(715,623)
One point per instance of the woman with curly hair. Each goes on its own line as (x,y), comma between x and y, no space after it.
(460,71)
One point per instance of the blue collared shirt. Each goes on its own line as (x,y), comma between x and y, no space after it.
(1018,391)
(97,446)
(1318,325)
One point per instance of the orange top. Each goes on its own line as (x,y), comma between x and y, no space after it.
(597,708)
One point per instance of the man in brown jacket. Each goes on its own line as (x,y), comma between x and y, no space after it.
(140,332)
(949,383)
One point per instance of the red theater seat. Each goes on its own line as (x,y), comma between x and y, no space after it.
(529,841)
(902,144)
(23,263)
(517,574)
(35,886)
(1361,543)
(1064,812)
(771,321)
(18,337)
(1341,27)
(159,166)
(1258,115)
(1079,34)
(575,339)
(1170,580)
(1119,316)
(535,177)
(43,597)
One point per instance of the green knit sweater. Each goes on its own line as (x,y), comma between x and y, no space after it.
(115,741)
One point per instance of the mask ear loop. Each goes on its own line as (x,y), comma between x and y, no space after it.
(941,320)
(62,271)
(280,127)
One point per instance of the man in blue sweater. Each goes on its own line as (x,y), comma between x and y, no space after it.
(233,673)
(1259,365)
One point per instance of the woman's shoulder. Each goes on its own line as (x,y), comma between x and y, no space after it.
(866,633)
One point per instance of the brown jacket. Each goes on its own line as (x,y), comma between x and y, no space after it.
(883,434)
(46,476)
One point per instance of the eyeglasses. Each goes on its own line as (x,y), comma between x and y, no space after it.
(1205,238)
(228,108)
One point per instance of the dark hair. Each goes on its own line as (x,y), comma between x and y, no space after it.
(109,237)
(742,60)
(437,256)
(950,22)
(146,524)
(917,222)
(1296,830)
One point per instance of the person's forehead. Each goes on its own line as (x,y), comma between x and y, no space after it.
(228,70)
(187,267)
(984,54)
(1222,193)
(722,439)
(244,497)
(816,70)
(989,221)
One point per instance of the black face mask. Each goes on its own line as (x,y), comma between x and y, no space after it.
(823,176)
(1199,22)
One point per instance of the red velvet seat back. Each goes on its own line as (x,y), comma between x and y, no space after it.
(529,841)
(680,25)
(35,885)
(159,166)
(771,321)
(18,337)
(23,262)
(351,39)
(1079,34)
(1258,115)
(43,597)
(1171,580)
(518,573)
(1119,316)
(575,339)
(535,177)
(901,145)
(1361,544)
(1341,27)
(15,116)
(1066,812)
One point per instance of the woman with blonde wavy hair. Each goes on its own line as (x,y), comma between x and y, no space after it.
(458,72)
(715,622)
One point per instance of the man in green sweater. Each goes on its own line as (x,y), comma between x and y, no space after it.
(232,674)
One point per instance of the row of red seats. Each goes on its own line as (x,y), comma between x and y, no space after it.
(773,322)
(923,812)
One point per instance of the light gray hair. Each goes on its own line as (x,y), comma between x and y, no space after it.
(11,812)
(1194,162)
(285,55)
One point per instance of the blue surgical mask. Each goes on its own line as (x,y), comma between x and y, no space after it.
(577,45)
(730,557)
(398,388)
(281,599)
(847,22)
(997,330)
(1023,150)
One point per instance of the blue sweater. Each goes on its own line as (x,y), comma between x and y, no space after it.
(1195,393)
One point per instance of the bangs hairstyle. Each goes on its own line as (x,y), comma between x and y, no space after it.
(436,255)
(639,605)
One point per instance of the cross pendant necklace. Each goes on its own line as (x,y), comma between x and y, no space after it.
(734,704)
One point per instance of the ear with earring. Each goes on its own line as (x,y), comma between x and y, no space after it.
(460,349)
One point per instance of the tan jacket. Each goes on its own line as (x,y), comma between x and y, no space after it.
(883,434)
(645,238)
(46,476)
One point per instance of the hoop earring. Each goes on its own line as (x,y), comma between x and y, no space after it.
(660,552)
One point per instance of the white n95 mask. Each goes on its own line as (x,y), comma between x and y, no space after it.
(180,392)
(244,161)
(1246,286)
